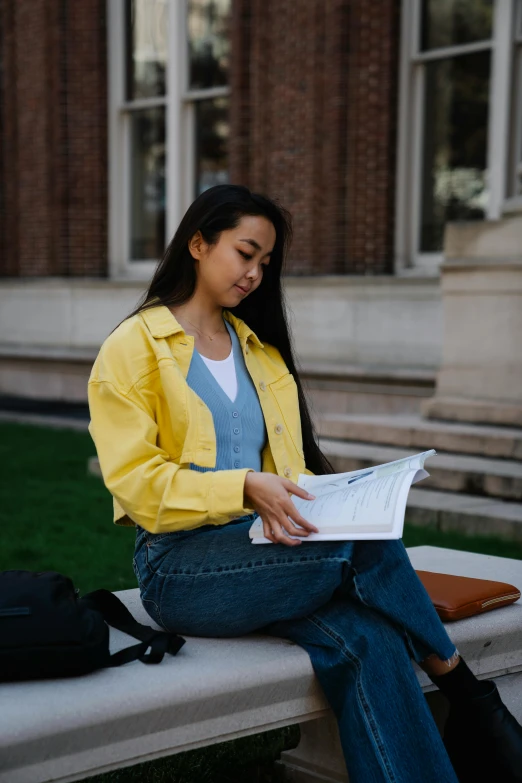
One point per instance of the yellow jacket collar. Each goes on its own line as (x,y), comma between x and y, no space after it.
(162,323)
(243,331)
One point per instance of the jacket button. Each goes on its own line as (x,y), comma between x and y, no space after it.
(236,463)
(236,430)
(288,472)
(235,414)
(278,429)
(262,385)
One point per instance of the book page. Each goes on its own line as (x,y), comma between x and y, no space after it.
(366,504)
(315,484)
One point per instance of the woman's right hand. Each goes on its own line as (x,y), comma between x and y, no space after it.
(267,494)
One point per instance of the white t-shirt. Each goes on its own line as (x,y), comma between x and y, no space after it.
(224,371)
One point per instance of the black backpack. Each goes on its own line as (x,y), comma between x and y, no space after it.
(47,630)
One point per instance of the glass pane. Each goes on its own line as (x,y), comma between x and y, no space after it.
(209,42)
(455,144)
(212,130)
(147,36)
(453,22)
(516,127)
(147,211)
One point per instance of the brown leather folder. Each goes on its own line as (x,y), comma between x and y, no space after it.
(455,597)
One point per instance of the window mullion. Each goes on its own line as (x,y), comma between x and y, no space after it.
(143,103)
(403,247)
(452,51)
(176,70)
(205,93)
(500,90)
(417,152)
(189,125)
(125,197)
(415,30)
(117,231)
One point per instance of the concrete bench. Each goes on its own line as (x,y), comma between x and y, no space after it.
(219,689)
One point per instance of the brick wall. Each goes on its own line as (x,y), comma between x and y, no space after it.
(313,123)
(53,150)
(371,162)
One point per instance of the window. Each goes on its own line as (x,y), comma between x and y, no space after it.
(146,35)
(207,91)
(168,126)
(453,121)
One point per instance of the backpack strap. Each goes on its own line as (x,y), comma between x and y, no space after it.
(116,614)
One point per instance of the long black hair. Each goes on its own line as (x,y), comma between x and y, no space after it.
(218,209)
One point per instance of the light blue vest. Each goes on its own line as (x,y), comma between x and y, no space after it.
(240,426)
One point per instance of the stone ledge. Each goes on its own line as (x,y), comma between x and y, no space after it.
(476,240)
(410,431)
(482,476)
(212,691)
(469,514)
(473,411)
(379,321)
(368,372)
(48,353)
(40,420)
(107,283)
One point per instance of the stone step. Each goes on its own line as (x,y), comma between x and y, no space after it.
(413,432)
(44,420)
(336,387)
(469,514)
(449,472)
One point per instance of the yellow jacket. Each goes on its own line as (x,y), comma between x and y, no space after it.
(148,425)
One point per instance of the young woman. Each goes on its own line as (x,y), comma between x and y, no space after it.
(201,424)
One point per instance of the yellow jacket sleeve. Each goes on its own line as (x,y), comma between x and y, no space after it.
(155,492)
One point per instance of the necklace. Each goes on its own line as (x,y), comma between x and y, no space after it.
(210,337)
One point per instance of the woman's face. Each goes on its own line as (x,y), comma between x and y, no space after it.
(233,268)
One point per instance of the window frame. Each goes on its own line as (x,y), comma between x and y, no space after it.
(179,102)
(408,259)
(188,99)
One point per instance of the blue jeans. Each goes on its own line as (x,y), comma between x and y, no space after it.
(358,609)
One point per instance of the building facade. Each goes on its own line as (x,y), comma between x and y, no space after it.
(375,124)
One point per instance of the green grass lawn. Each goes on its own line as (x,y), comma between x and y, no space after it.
(54,516)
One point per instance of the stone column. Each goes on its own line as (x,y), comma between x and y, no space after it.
(480,378)
(319,758)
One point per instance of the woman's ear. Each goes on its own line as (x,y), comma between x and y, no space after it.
(197,245)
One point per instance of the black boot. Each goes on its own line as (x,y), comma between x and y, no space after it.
(484,740)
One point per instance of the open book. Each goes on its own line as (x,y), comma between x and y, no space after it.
(362,504)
